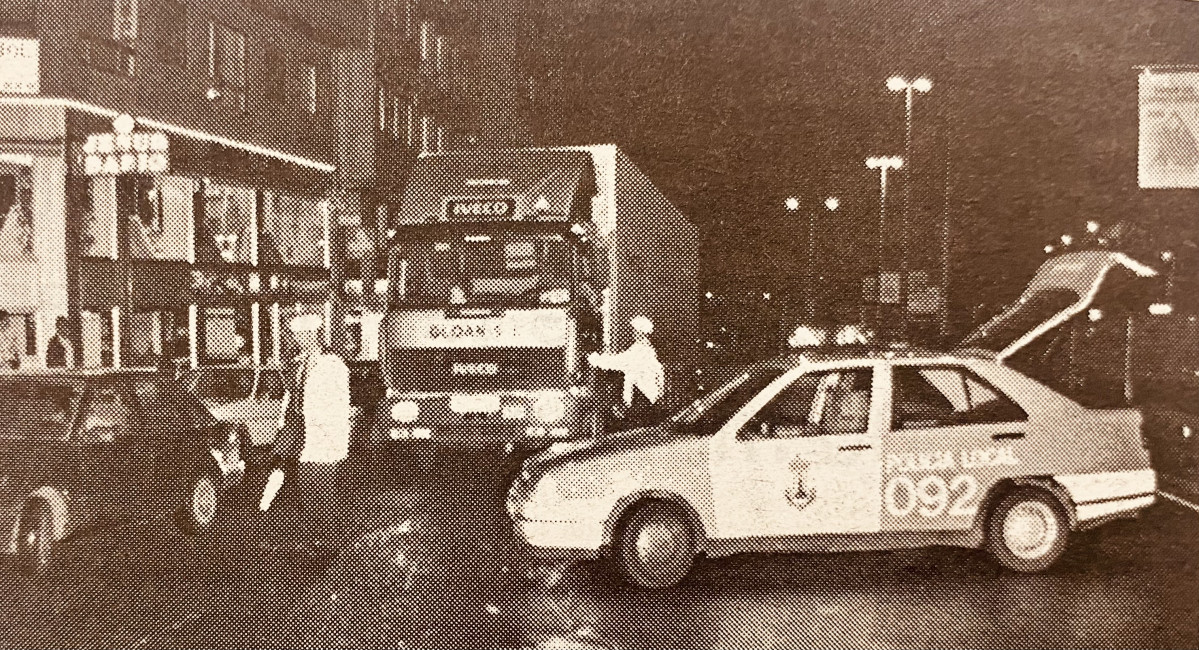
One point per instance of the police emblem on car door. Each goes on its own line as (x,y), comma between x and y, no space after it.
(806,462)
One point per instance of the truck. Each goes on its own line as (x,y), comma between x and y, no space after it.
(506,269)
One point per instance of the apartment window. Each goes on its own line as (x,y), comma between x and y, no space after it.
(276,68)
(395,118)
(171,37)
(227,58)
(425,35)
(382,110)
(411,111)
(425,128)
(124,21)
(306,81)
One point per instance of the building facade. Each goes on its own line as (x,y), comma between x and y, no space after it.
(169,164)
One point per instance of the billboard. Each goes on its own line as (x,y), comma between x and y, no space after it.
(1168,152)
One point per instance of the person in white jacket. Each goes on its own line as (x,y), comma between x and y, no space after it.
(314,433)
(644,376)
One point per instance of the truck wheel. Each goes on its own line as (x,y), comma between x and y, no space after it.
(655,545)
(201,502)
(35,537)
(1027,530)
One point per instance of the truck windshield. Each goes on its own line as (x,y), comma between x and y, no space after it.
(463,269)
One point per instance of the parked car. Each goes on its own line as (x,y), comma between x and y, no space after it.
(250,398)
(80,448)
(842,450)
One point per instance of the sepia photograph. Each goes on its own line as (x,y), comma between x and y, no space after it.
(599,325)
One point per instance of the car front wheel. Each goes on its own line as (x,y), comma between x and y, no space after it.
(655,545)
(201,502)
(1027,530)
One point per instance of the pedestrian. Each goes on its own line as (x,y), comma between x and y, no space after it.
(60,351)
(12,341)
(313,441)
(644,376)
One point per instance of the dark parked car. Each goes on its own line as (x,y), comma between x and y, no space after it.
(80,448)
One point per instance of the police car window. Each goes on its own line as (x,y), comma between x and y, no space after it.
(107,409)
(827,403)
(34,411)
(928,397)
(710,412)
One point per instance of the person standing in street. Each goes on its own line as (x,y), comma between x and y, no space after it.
(314,438)
(644,376)
(12,342)
(60,352)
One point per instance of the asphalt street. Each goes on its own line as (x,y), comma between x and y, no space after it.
(435,568)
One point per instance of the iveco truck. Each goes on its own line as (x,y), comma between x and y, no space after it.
(506,269)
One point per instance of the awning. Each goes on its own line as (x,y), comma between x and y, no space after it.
(505,185)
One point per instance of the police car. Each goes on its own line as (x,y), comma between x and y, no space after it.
(835,451)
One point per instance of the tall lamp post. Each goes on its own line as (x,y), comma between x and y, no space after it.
(882,164)
(908,88)
(831,204)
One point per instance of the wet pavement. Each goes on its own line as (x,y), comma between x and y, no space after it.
(434,569)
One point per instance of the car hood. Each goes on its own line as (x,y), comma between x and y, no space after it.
(562,453)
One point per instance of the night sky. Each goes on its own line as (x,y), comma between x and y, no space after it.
(1031,123)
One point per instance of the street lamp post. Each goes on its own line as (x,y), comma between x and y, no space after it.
(831,204)
(920,85)
(882,164)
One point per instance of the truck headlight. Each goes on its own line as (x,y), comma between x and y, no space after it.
(549,407)
(405,411)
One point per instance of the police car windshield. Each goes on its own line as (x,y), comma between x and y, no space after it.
(714,409)
(466,268)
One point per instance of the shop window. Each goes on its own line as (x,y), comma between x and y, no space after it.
(16,212)
(158,228)
(223,232)
(96,333)
(171,32)
(293,231)
(225,334)
(98,234)
(146,339)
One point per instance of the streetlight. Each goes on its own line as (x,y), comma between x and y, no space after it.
(1092,226)
(1067,240)
(882,164)
(908,88)
(792,203)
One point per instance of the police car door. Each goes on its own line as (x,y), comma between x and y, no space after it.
(802,458)
(952,435)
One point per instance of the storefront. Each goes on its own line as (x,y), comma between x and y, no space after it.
(158,244)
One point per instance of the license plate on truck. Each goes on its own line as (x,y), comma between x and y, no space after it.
(475,403)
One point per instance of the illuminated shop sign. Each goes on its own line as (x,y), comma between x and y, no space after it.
(124,151)
(19,66)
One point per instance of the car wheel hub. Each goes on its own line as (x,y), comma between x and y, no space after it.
(660,544)
(1030,530)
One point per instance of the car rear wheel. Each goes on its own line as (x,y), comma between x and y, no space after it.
(655,545)
(35,537)
(1027,530)
(201,502)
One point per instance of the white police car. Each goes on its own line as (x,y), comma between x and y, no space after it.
(823,451)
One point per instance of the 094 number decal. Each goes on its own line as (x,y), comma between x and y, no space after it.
(931,496)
